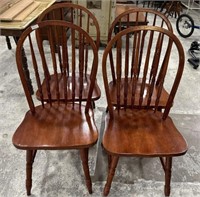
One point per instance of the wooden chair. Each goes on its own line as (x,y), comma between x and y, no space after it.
(138,16)
(141,16)
(87,21)
(172,8)
(132,126)
(56,125)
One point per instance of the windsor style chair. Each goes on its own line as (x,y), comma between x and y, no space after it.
(56,125)
(82,17)
(132,126)
(123,21)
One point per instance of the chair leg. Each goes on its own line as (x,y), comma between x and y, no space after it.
(93,105)
(109,162)
(29,164)
(168,167)
(114,160)
(84,158)
(8,43)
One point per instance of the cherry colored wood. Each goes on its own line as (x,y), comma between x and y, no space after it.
(133,134)
(61,80)
(168,175)
(84,158)
(128,98)
(112,168)
(29,166)
(135,125)
(56,125)
(65,11)
(128,18)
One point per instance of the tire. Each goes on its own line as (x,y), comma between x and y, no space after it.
(185,25)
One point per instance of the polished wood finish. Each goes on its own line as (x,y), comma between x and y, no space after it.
(84,158)
(56,125)
(129,18)
(135,125)
(65,11)
(61,80)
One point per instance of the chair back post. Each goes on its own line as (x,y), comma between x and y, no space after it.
(177,79)
(19,61)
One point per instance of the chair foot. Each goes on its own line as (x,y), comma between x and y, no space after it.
(167,191)
(84,158)
(168,166)
(89,186)
(106,190)
(28,193)
(29,164)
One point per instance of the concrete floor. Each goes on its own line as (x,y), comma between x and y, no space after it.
(59,173)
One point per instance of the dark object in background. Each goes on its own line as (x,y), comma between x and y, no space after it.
(194,49)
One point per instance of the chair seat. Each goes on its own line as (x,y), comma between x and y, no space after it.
(56,127)
(146,135)
(113,92)
(53,87)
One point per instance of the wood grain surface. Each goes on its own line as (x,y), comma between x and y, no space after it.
(15,9)
(26,12)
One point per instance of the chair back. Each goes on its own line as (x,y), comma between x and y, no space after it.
(75,14)
(43,60)
(142,56)
(142,16)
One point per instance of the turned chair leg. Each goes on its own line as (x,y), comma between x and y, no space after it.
(29,164)
(84,158)
(112,166)
(168,167)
